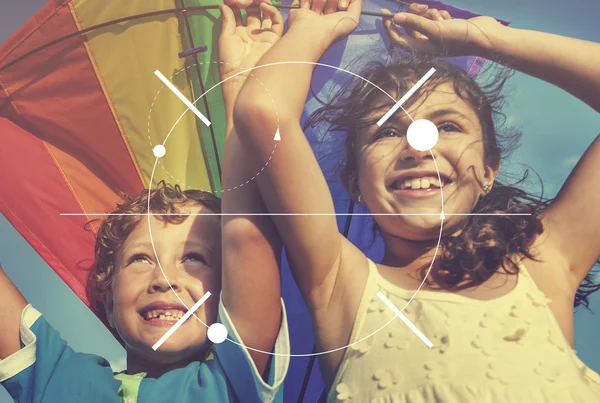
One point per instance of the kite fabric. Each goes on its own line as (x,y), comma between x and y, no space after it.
(80,114)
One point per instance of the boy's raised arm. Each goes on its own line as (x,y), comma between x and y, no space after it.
(11,308)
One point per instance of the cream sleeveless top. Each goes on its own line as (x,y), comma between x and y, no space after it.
(509,349)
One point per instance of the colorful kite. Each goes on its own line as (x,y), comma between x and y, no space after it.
(81,110)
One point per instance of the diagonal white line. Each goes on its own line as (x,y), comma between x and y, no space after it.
(405,320)
(182,97)
(405,97)
(180,321)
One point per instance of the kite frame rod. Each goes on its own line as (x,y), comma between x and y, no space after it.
(146,15)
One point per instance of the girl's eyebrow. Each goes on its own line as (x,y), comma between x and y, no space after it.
(445,112)
(400,115)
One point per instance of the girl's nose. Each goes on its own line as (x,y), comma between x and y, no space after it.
(411,154)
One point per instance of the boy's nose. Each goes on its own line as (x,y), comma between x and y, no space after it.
(164,280)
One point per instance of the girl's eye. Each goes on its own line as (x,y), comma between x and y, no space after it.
(386,133)
(139,257)
(449,127)
(195,257)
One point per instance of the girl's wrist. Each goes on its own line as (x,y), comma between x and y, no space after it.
(317,35)
(491,44)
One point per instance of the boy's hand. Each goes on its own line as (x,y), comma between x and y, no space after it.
(435,31)
(241,47)
(322,16)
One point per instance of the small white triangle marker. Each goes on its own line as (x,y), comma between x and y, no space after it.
(277,136)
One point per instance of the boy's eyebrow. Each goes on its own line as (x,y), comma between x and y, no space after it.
(186,242)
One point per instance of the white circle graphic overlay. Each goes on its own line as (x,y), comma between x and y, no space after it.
(429,139)
(422,135)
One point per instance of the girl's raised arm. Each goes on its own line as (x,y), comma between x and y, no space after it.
(572,222)
(290,180)
(11,307)
(251,247)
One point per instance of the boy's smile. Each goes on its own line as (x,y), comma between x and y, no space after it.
(162,313)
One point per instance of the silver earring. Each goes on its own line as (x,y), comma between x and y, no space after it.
(487,188)
(359,199)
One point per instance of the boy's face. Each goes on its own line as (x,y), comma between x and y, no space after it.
(143,307)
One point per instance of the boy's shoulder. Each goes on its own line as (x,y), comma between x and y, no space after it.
(47,367)
(229,375)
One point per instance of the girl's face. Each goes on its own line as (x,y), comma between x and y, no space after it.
(387,164)
(142,305)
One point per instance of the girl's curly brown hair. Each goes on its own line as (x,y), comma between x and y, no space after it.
(481,248)
(115,228)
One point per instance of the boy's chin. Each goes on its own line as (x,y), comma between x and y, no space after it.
(175,353)
(171,351)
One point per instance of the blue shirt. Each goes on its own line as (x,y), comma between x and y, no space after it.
(47,370)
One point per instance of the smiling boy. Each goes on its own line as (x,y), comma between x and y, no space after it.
(145,289)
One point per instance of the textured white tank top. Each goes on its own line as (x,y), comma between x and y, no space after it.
(510,349)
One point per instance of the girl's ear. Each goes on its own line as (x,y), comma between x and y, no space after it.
(350,183)
(491,171)
(107,299)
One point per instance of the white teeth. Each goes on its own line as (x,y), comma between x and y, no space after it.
(420,183)
(163,315)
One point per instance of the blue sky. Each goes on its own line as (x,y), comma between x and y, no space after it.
(557,128)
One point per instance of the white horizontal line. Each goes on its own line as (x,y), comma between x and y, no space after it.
(292,214)
(405,320)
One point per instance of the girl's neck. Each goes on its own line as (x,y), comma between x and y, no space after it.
(406,253)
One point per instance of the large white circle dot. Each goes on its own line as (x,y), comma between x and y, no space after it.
(159,151)
(422,135)
(217,333)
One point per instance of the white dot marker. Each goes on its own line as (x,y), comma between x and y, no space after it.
(422,135)
(217,333)
(159,151)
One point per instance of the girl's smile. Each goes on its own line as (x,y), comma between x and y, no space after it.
(394,178)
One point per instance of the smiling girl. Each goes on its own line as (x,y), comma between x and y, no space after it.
(497,303)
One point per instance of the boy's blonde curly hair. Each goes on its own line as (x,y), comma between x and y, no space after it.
(114,230)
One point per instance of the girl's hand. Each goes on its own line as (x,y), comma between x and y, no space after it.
(322,15)
(435,32)
(241,47)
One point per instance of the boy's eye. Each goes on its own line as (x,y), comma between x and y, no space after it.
(139,257)
(195,257)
